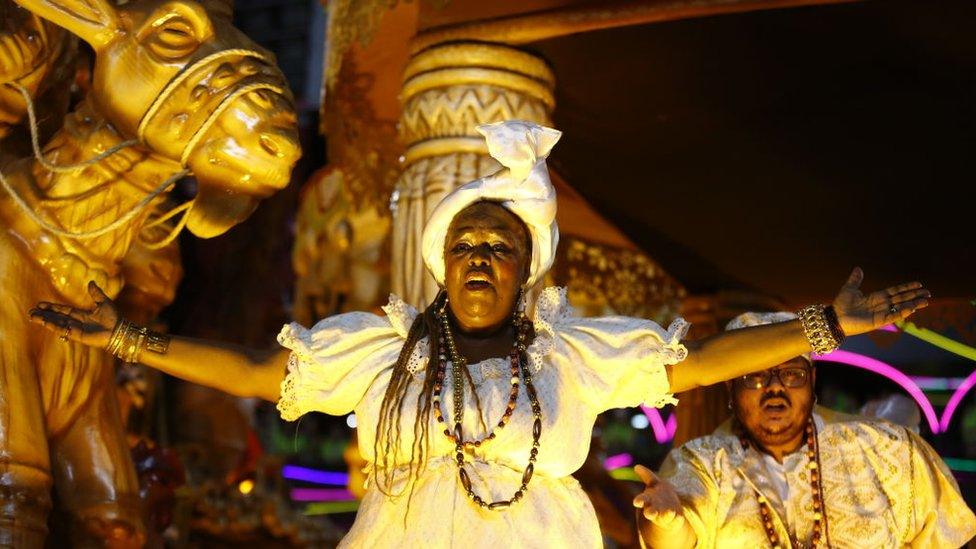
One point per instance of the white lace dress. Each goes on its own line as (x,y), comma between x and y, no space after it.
(582,366)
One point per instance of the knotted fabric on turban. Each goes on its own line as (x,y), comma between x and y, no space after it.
(745,320)
(522,187)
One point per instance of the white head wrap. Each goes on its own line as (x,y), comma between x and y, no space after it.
(522,187)
(746,320)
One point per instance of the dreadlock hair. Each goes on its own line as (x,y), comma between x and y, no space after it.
(386,444)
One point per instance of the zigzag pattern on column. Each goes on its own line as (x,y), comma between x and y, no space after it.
(456,111)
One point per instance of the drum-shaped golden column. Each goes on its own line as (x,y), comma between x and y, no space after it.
(448,90)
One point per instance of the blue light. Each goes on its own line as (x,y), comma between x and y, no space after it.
(304,474)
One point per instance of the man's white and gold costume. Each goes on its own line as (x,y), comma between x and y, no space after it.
(883,485)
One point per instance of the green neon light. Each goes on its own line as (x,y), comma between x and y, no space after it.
(331,507)
(960,464)
(938,340)
(625,473)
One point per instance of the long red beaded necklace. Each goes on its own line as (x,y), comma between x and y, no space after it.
(819,513)
(447,346)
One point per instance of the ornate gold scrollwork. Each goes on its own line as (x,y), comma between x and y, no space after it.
(601,279)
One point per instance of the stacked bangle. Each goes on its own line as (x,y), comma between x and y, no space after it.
(128,341)
(822,328)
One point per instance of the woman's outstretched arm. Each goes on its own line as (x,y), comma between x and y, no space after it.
(732,354)
(234,369)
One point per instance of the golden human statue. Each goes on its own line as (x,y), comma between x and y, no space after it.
(341,252)
(176,89)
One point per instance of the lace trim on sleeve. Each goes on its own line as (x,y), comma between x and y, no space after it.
(659,378)
(288,402)
(672,351)
(673,347)
(296,337)
(551,309)
(300,362)
(401,315)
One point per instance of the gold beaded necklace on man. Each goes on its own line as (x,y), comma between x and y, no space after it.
(819,512)
(448,347)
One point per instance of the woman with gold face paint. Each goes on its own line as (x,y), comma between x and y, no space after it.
(473,413)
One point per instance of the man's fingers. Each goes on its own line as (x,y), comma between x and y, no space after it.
(910,295)
(902,311)
(901,288)
(898,308)
(642,499)
(855,279)
(662,517)
(644,473)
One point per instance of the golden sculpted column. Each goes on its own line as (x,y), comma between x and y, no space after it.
(447,91)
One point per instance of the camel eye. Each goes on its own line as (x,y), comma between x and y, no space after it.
(172,39)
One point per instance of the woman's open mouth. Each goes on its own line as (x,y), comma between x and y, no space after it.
(477,281)
(477,285)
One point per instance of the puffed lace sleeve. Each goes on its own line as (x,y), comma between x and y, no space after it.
(614,361)
(332,365)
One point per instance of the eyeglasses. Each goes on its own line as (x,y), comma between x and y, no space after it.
(788,377)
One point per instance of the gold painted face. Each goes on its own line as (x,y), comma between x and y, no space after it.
(486,262)
(180,78)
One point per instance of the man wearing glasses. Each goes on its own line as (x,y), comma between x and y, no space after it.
(784,472)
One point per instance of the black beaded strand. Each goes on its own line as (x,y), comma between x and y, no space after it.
(519,365)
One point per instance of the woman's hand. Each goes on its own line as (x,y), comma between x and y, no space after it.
(859,313)
(92,327)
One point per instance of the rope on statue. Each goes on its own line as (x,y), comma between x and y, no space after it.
(35,143)
(84,235)
(160,244)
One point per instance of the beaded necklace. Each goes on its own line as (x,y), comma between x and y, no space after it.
(819,514)
(448,349)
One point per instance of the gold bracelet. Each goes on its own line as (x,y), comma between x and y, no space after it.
(128,341)
(817,329)
(129,349)
(138,340)
(118,336)
(157,343)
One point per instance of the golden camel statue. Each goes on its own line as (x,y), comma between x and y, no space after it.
(176,89)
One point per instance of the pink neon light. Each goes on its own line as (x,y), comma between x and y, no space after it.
(617,461)
(321,494)
(892,373)
(888,328)
(663,431)
(955,400)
